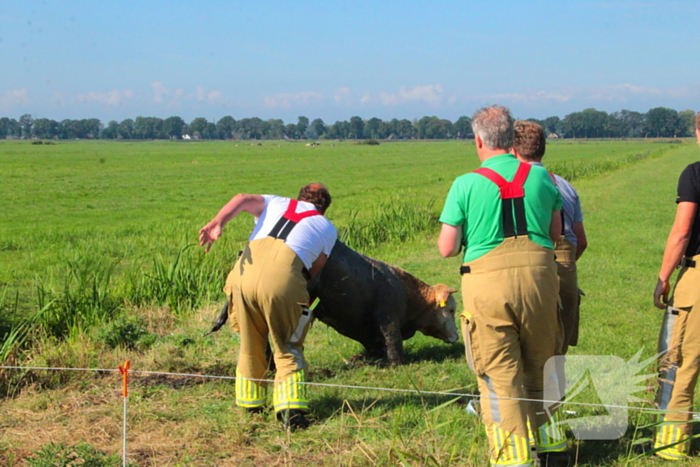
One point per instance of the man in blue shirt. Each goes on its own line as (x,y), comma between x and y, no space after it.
(529,146)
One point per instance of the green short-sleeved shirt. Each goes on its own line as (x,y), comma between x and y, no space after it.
(474,202)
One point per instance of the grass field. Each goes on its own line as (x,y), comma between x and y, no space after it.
(95,267)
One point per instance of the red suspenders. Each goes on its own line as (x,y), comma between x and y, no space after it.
(289,219)
(287,222)
(512,197)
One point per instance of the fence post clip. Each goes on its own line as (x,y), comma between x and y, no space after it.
(124,370)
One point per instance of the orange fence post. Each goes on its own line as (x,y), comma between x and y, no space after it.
(124,370)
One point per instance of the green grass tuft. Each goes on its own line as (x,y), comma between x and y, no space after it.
(391,222)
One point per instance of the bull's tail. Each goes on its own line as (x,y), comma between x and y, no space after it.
(221,320)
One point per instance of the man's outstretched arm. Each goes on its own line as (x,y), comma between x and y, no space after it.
(253,204)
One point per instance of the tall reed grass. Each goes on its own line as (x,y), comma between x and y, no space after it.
(575,170)
(182,283)
(391,222)
(12,335)
(78,298)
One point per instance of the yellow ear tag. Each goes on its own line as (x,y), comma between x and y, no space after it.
(442,302)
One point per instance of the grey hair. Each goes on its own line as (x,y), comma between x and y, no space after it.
(494,125)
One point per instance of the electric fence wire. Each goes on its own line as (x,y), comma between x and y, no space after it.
(355,387)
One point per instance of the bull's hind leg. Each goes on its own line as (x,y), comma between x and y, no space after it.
(373,350)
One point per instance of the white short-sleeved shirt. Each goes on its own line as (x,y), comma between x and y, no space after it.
(308,239)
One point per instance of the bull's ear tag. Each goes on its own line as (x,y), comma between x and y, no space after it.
(443,303)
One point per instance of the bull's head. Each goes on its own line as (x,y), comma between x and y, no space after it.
(440,323)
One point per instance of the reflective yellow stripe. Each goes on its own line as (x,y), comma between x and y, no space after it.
(509,450)
(530,434)
(465,314)
(549,437)
(523,450)
(291,394)
(670,454)
(671,433)
(249,393)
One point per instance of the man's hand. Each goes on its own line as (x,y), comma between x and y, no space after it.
(661,294)
(209,234)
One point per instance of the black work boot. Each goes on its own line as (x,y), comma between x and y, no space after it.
(293,419)
(554,459)
(255,410)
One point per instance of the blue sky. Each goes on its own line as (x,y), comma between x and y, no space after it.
(333,60)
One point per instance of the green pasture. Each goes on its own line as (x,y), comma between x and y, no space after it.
(97,267)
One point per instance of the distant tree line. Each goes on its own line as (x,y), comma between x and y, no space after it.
(589,123)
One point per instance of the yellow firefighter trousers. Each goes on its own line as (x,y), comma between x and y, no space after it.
(511,328)
(569,292)
(680,365)
(268,293)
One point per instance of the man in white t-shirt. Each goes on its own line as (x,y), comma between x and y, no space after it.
(267,288)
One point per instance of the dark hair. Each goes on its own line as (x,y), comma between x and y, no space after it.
(316,194)
(529,140)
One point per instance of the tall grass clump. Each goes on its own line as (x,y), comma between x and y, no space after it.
(83,298)
(8,310)
(575,170)
(13,334)
(16,338)
(392,222)
(181,283)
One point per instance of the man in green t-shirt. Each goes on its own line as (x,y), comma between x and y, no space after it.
(507,215)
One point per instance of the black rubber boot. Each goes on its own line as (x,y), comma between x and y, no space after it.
(554,459)
(293,419)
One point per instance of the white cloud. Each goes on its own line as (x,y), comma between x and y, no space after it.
(171,98)
(342,95)
(613,93)
(288,100)
(111,98)
(12,98)
(622,92)
(202,95)
(527,97)
(611,96)
(159,92)
(430,94)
